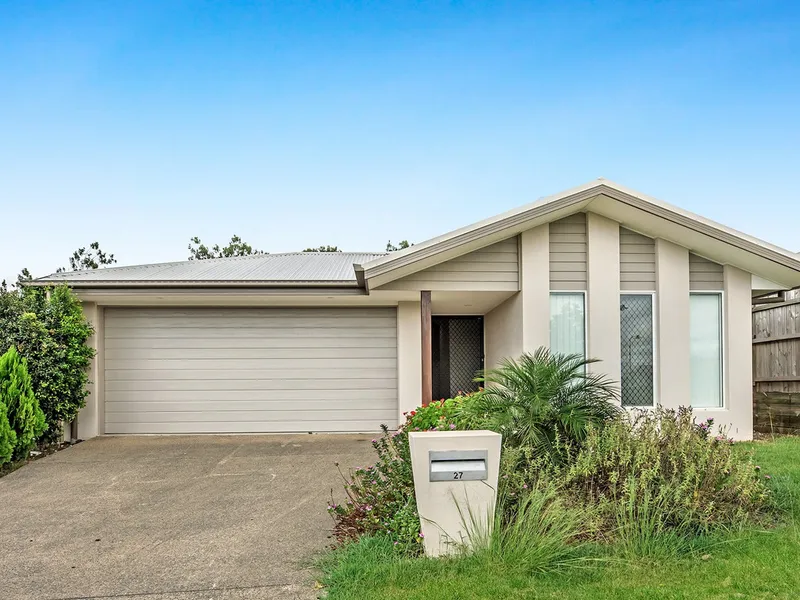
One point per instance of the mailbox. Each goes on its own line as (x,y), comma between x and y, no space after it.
(455,475)
(458,465)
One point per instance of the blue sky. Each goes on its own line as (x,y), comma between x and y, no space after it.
(141,124)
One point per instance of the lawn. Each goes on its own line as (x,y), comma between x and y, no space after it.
(749,564)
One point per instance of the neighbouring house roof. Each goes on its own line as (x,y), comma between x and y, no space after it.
(291,269)
(775,267)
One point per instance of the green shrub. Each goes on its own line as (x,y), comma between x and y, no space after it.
(380,498)
(655,483)
(51,334)
(8,439)
(438,415)
(659,471)
(542,399)
(448,414)
(24,415)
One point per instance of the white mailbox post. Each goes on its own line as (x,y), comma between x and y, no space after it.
(455,483)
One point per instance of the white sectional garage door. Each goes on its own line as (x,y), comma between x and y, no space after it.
(197,370)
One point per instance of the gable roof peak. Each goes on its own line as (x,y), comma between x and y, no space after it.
(628,207)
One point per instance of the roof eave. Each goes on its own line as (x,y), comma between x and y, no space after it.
(513,223)
(195,284)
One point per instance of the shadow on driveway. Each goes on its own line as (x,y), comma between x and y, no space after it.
(173,517)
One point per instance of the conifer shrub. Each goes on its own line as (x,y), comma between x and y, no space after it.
(8,438)
(23,412)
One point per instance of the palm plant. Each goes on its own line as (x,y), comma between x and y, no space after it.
(543,398)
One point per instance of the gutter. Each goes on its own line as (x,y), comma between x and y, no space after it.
(89,293)
(143,284)
(360,278)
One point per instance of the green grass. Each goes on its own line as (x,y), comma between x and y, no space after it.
(745,564)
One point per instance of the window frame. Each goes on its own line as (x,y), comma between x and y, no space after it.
(723,371)
(656,370)
(585,318)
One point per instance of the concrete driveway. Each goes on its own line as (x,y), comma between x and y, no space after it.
(178,518)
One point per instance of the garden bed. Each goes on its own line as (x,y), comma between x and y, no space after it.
(747,563)
(588,494)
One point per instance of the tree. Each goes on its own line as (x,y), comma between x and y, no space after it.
(23,277)
(81,260)
(8,438)
(323,249)
(16,393)
(390,247)
(50,331)
(236,247)
(84,260)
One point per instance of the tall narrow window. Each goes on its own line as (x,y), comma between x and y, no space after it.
(567,323)
(705,349)
(636,344)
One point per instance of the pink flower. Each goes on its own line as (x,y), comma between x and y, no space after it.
(422,535)
(452,425)
(524,486)
(767,476)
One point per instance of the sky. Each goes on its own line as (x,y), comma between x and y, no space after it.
(140,124)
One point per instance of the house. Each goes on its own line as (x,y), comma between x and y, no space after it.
(334,342)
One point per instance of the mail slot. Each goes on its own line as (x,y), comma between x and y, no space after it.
(458,465)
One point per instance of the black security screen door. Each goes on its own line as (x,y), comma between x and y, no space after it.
(457,353)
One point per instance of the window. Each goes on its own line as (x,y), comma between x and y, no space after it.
(636,345)
(705,349)
(567,323)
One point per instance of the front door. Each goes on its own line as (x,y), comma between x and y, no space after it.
(457,354)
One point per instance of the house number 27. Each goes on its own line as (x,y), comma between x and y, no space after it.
(458,474)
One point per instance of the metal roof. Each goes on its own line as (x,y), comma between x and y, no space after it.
(294,269)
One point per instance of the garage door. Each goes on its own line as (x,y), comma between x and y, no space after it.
(250,370)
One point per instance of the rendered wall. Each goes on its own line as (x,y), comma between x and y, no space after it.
(502,331)
(91,417)
(672,325)
(409,358)
(603,295)
(534,251)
